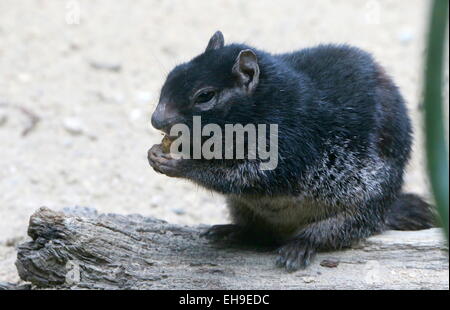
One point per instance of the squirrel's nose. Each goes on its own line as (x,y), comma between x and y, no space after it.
(157,121)
(162,119)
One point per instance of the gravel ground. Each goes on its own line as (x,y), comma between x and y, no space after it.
(93,81)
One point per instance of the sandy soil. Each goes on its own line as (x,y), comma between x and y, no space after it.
(94,82)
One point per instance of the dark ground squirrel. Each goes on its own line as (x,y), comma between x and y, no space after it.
(344,138)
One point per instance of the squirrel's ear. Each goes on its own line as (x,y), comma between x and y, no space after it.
(216,41)
(246,69)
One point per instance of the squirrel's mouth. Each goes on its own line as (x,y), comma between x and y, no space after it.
(168,137)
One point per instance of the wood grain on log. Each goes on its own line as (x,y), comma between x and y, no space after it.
(82,249)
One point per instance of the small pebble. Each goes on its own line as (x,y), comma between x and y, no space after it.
(405,36)
(73,126)
(308,279)
(156,200)
(105,66)
(3,119)
(178,211)
(329,263)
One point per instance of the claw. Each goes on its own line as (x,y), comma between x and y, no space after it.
(295,255)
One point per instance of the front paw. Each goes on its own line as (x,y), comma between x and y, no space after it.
(163,163)
(297,254)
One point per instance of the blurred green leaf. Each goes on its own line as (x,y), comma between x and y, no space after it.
(436,150)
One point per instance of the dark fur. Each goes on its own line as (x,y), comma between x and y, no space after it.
(344,141)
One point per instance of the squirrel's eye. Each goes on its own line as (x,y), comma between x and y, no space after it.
(205,96)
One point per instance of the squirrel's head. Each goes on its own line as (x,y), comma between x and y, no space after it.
(212,85)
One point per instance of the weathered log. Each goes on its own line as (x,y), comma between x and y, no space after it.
(14,286)
(82,249)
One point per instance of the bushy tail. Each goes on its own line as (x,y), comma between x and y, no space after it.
(410,212)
